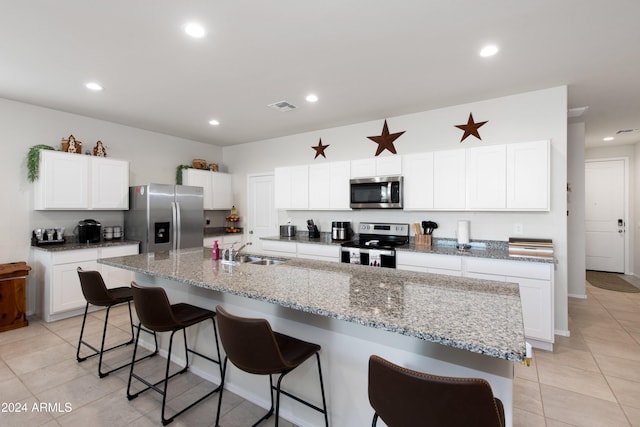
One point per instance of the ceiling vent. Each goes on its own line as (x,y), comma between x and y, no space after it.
(282,106)
(576,112)
(627,131)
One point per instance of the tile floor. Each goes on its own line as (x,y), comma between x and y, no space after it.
(591,379)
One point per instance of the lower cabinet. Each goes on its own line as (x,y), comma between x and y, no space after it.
(319,252)
(535,280)
(59,294)
(224,241)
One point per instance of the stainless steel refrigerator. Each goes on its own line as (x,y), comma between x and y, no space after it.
(165,217)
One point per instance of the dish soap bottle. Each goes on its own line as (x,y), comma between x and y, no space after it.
(215,252)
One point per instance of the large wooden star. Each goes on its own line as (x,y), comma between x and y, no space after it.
(320,149)
(471,128)
(385,141)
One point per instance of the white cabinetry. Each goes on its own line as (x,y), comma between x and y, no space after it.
(279,248)
(291,186)
(329,185)
(449,179)
(429,263)
(528,176)
(418,181)
(376,166)
(486,177)
(216,187)
(58,286)
(224,240)
(536,292)
(78,182)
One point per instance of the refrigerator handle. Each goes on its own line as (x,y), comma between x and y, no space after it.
(177,225)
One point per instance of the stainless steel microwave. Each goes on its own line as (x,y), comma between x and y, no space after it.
(379,192)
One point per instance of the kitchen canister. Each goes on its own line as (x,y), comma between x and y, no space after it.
(107,233)
(117,232)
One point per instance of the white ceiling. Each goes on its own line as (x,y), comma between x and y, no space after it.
(365,59)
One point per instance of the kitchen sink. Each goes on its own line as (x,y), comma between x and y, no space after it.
(258,260)
(267,261)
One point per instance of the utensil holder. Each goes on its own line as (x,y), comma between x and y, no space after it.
(423,240)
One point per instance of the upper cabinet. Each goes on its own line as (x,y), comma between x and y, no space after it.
(291,187)
(329,185)
(494,177)
(216,187)
(376,166)
(78,182)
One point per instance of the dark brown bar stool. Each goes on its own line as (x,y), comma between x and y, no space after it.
(253,347)
(400,397)
(96,293)
(158,315)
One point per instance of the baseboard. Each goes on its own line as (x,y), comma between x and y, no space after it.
(577,296)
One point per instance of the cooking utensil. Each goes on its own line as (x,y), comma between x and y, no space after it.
(429,226)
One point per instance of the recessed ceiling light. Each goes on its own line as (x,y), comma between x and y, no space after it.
(312,98)
(608,138)
(214,122)
(93,86)
(195,30)
(489,50)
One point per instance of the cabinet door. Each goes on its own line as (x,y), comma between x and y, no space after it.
(340,189)
(449,182)
(113,276)
(418,181)
(528,176)
(221,190)
(320,186)
(537,307)
(291,186)
(66,293)
(389,165)
(486,177)
(109,184)
(363,168)
(319,252)
(200,178)
(63,181)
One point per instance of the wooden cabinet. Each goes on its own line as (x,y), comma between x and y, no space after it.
(329,186)
(449,180)
(216,187)
(78,182)
(418,181)
(528,175)
(57,283)
(486,177)
(291,187)
(376,166)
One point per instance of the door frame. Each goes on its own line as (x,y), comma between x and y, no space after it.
(628,219)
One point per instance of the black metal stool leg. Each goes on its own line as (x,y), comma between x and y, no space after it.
(84,319)
(224,371)
(324,400)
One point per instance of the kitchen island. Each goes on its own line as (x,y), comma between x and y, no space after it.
(439,324)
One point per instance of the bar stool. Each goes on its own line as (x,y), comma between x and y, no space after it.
(402,397)
(157,314)
(96,293)
(254,347)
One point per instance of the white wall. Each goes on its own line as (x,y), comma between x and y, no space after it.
(153,157)
(576,211)
(519,118)
(629,152)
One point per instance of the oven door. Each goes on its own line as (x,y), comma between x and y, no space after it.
(368,256)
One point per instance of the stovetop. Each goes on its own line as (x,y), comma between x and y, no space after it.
(380,236)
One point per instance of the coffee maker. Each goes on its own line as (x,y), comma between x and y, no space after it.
(341,230)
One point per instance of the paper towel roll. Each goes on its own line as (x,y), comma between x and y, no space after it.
(463,232)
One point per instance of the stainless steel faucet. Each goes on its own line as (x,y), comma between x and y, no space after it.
(230,254)
(241,248)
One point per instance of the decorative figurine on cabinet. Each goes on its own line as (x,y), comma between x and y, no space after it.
(99,150)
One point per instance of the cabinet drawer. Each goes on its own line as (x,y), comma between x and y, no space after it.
(118,251)
(532,270)
(80,255)
(319,250)
(445,262)
(275,246)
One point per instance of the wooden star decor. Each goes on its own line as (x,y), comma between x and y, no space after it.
(385,141)
(471,128)
(320,149)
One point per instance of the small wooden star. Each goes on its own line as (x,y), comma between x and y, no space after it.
(385,141)
(471,128)
(320,149)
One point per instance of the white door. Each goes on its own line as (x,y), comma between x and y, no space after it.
(605,215)
(262,218)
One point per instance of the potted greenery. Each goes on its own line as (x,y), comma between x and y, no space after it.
(33,161)
(179,170)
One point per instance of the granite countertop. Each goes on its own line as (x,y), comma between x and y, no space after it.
(493,249)
(73,245)
(476,315)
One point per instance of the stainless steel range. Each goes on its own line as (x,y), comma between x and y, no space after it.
(376,244)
